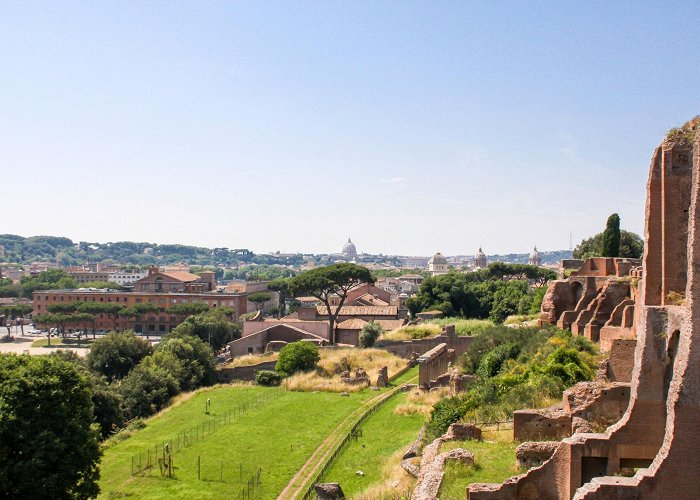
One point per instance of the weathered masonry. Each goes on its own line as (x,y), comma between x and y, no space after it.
(651,452)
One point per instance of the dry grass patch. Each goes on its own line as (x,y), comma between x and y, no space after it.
(411,332)
(252,359)
(420,401)
(396,483)
(327,377)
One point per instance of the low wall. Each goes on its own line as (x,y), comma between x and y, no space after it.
(541,425)
(432,364)
(407,348)
(244,372)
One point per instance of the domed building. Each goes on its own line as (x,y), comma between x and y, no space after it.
(480,259)
(437,264)
(349,251)
(534,259)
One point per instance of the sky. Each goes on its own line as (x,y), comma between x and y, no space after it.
(412,127)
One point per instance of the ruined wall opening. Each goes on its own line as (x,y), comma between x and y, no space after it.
(671,351)
(593,467)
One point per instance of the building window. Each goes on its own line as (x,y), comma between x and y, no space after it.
(159,284)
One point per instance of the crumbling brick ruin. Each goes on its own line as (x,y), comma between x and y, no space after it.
(659,434)
(595,301)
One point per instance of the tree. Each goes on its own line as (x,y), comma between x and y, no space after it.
(46,427)
(369,334)
(212,327)
(115,354)
(259,298)
(297,356)
(65,308)
(327,282)
(631,246)
(147,389)
(93,308)
(138,310)
(13,313)
(108,403)
(196,358)
(188,309)
(611,237)
(281,286)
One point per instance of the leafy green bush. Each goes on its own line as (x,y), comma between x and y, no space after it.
(369,334)
(491,363)
(517,368)
(147,389)
(268,377)
(297,356)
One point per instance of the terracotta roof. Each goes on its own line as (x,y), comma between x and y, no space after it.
(181,276)
(371,300)
(360,310)
(307,299)
(352,324)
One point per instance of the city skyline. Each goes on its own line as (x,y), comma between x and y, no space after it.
(414,128)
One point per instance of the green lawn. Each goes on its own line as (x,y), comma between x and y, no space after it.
(61,342)
(383,433)
(494,462)
(279,436)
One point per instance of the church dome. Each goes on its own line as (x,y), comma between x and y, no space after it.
(438,258)
(349,249)
(480,259)
(534,259)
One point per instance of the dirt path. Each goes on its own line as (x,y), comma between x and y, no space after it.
(307,473)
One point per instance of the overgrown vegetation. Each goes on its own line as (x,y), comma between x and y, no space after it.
(516,368)
(495,292)
(494,462)
(334,361)
(685,134)
(297,357)
(268,377)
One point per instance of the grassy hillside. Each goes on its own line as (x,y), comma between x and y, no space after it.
(384,433)
(278,436)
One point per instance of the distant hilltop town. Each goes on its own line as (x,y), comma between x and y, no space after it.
(39,253)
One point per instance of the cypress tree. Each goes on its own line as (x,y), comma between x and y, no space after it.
(611,237)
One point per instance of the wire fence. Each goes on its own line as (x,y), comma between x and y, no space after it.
(148,459)
(497,425)
(214,471)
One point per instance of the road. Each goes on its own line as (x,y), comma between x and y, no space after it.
(22,344)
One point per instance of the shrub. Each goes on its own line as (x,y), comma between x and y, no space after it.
(196,358)
(115,354)
(297,356)
(491,363)
(369,334)
(268,377)
(146,389)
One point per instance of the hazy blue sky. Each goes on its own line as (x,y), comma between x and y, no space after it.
(412,127)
